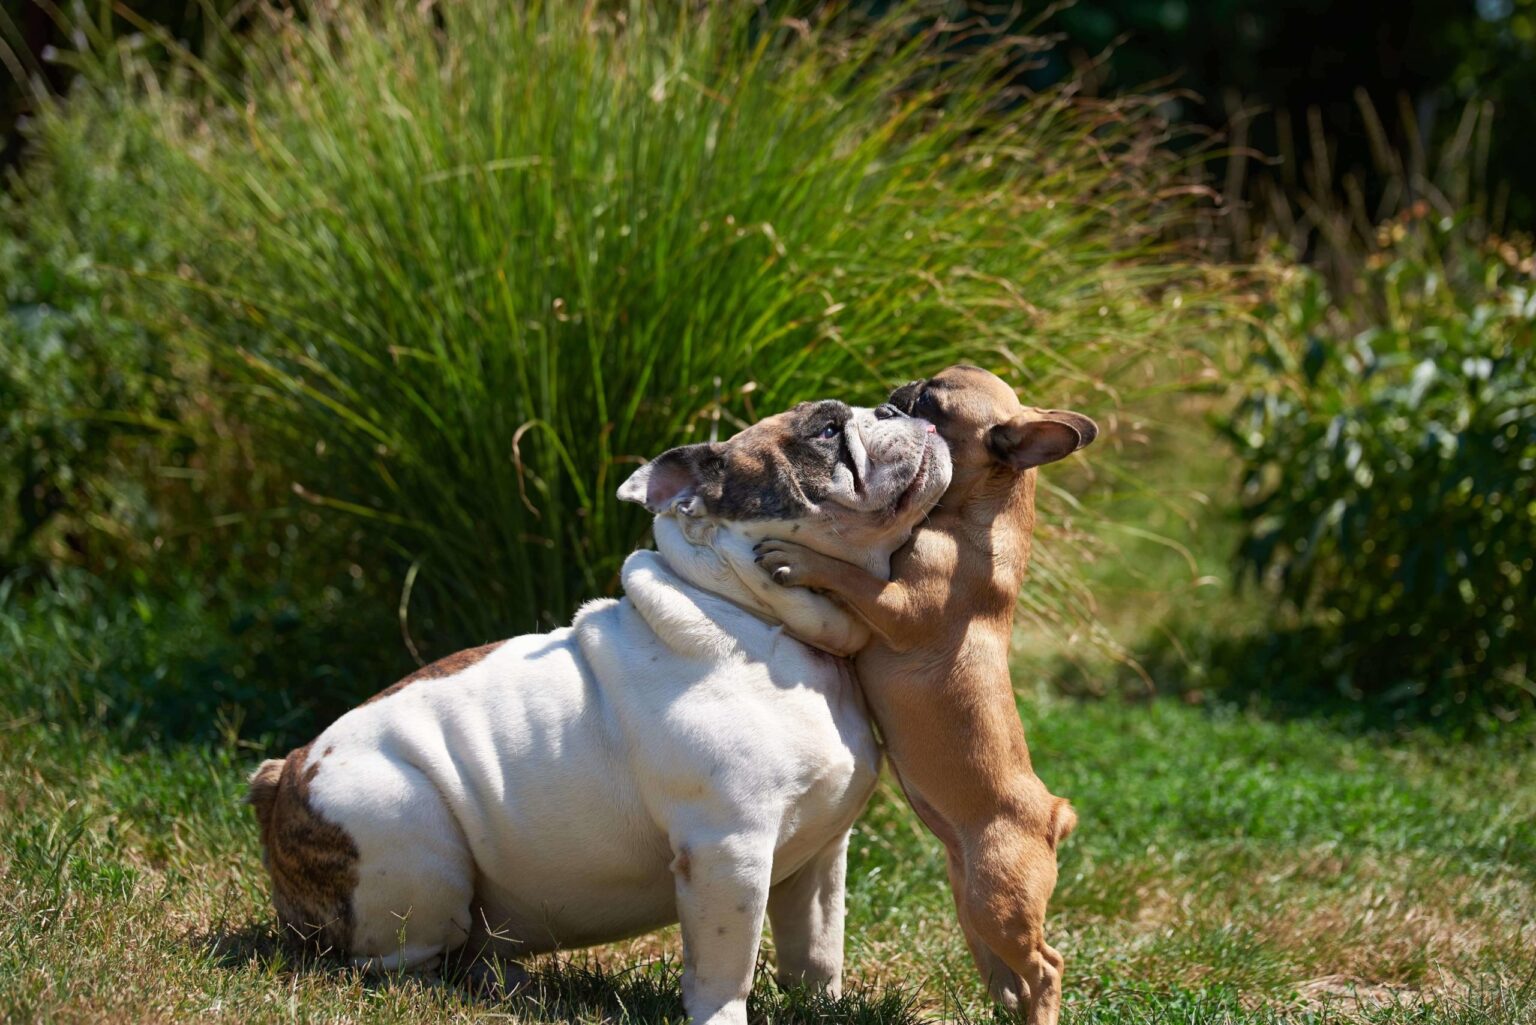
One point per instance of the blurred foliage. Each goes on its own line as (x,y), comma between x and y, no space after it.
(1229,58)
(279,354)
(86,393)
(327,370)
(39,37)
(180,655)
(461,317)
(1302,63)
(141,534)
(1388,440)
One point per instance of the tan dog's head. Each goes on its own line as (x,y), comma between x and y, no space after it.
(990,433)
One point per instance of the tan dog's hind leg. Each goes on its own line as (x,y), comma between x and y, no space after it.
(1002,982)
(806,913)
(1006,893)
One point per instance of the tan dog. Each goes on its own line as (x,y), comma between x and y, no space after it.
(936,675)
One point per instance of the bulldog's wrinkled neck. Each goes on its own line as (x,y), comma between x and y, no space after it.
(718,558)
(689,547)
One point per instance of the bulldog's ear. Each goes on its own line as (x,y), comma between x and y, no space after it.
(670,481)
(1040,436)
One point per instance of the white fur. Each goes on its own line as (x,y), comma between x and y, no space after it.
(681,754)
(551,795)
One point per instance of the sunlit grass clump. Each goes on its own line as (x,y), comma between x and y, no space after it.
(473,261)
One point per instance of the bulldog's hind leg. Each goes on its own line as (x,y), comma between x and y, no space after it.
(415,876)
(806,912)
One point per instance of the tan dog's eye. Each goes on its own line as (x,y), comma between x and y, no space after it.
(832,430)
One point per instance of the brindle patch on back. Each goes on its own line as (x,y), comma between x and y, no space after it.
(312,862)
(445,666)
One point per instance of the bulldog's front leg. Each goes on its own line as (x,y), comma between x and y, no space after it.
(806,912)
(722,892)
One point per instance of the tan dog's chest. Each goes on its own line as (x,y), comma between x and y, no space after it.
(945,706)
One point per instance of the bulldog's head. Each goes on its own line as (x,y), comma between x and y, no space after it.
(839,479)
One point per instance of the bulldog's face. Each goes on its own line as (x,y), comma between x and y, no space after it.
(830,475)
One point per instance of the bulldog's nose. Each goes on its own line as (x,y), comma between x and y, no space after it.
(887,411)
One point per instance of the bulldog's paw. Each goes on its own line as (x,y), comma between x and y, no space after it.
(785,562)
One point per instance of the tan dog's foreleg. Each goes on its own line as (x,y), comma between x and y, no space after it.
(722,894)
(892,609)
(806,912)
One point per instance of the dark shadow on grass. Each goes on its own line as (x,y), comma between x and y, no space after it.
(567,988)
(260,945)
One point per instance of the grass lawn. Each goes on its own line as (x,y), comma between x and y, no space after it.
(1228,868)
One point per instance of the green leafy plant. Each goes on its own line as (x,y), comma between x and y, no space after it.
(461,267)
(84,386)
(1389,465)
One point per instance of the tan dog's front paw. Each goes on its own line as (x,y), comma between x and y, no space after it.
(785,562)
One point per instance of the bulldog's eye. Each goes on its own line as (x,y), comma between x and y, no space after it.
(832,430)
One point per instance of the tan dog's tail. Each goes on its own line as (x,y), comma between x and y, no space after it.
(263,792)
(1063,820)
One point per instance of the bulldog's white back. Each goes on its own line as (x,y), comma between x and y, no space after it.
(683,754)
(660,721)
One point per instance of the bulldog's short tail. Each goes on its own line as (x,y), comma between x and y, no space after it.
(262,794)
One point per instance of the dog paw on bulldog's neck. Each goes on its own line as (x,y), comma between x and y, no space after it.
(849,482)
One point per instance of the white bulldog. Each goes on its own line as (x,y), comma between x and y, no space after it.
(688,753)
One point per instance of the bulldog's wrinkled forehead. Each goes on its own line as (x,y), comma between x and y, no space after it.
(782,466)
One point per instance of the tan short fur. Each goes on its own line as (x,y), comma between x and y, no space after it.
(937,681)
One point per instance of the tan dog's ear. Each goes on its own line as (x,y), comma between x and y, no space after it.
(1063,821)
(1039,437)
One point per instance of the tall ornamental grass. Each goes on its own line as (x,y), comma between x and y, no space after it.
(466,264)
